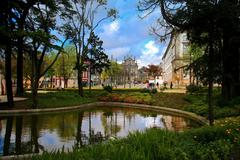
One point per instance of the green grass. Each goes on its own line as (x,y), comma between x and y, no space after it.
(198,104)
(61,99)
(204,143)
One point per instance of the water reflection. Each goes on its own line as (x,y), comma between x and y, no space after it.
(33,134)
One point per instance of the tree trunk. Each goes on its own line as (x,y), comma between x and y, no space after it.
(8,75)
(34,81)
(210,79)
(34,134)
(7,136)
(80,85)
(34,92)
(20,89)
(90,82)
(19,123)
(65,82)
(79,130)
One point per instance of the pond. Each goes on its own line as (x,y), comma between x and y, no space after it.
(64,131)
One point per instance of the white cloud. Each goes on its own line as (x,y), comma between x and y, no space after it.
(150,55)
(114,26)
(111,28)
(150,49)
(118,52)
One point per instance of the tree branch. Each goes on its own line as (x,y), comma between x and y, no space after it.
(55,59)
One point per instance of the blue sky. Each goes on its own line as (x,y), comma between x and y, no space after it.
(129,35)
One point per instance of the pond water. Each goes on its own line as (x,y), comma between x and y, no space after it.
(49,132)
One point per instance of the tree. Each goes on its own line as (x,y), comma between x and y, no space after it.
(81,23)
(22,9)
(207,22)
(214,24)
(113,73)
(64,66)
(23,26)
(96,56)
(41,22)
(7,28)
(154,70)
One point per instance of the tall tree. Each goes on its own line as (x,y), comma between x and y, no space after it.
(7,33)
(81,23)
(22,11)
(96,56)
(41,24)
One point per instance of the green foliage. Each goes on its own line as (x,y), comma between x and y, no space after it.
(228,121)
(96,56)
(108,88)
(154,90)
(114,71)
(65,63)
(160,144)
(198,105)
(192,88)
(146,90)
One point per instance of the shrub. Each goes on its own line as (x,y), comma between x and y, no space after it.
(154,90)
(108,88)
(192,88)
(145,90)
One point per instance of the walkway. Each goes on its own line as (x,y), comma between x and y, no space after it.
(175,90)
(3,99)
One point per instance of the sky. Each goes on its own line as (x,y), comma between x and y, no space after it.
(129,35)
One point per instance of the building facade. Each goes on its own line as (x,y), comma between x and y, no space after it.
(130,69)
(176,59)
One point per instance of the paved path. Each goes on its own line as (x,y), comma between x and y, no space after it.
(175,90)
(3,99)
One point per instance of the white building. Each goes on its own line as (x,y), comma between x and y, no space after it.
(175,60)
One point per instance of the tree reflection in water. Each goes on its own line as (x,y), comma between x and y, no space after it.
(19,124)
(7,136)
(33,134)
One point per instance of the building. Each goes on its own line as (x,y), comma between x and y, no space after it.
(143,74)
(176,59)
(130,69)
(61,82)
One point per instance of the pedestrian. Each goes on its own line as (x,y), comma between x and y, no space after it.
(148,85)
(157,84)
(171,85)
